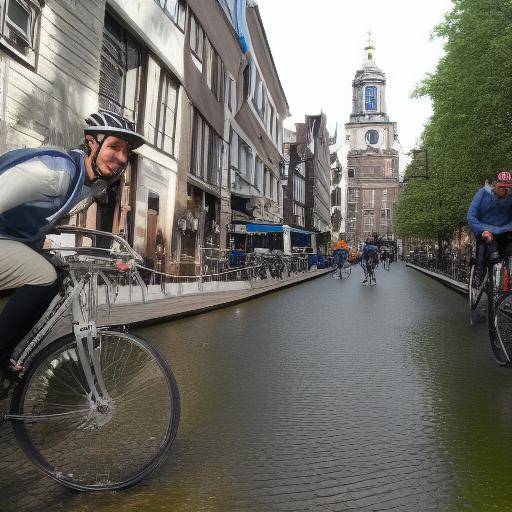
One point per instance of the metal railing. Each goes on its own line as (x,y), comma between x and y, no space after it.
(141,281)
(456,269)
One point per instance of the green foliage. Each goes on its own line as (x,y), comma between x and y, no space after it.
(469,134)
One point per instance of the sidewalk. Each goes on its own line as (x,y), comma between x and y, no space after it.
(159,308)
(459,287)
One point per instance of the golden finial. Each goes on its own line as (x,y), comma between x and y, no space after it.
(370,46)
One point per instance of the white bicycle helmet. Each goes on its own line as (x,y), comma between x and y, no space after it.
(106,122)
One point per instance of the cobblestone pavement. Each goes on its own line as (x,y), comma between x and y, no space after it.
(330,397)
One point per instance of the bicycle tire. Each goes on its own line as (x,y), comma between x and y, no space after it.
(346,271)
(475,296)
(495,337)
(87,449)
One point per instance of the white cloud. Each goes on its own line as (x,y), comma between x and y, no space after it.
(318,46)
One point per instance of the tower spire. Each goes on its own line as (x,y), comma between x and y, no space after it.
(369,51)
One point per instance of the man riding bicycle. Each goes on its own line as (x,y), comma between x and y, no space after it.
(490,218)
(39,187)
(341,253)
(369,257)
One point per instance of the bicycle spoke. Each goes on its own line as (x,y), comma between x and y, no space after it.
(34,418)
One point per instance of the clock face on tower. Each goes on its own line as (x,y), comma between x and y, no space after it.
(371,137)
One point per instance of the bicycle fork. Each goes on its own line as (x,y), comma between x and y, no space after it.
(88,344)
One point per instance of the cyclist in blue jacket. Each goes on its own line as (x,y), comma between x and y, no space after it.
(38,187)
(490,217)
(370,254)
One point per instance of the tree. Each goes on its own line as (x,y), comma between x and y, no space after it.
(468,135)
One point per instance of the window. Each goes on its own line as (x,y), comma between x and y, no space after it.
(166,114)
(353,195)
(247,81)
(196,38)
(176,10)
(384,197)
(243,170)
(260,96)
(121,68)
(230,93)
(207,150)
(371,137)
(299,189)
(370,97)
(217,76)
(298,212)
(385,213)
(20,27)
(336,197)
(368,198)
(351,173)
(368,217)
(258,172)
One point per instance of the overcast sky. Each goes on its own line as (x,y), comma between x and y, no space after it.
(318,46)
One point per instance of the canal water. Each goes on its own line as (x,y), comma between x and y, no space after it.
(328,396)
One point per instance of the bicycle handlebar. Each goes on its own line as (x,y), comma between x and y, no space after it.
(129,252)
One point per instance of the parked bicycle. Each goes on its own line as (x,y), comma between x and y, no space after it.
(97,409)
(494,282)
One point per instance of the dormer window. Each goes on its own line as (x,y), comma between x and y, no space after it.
(20,26)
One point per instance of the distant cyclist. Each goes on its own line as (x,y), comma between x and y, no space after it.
(490,218)
(341,253)
(386,256)
(39,187)
(370,257)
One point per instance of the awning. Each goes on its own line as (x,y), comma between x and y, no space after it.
(264,228)
(302,231)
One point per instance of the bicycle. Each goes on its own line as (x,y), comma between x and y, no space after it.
(342,271)
(386,262)
(476,290)
(97,409)
(370,265)
(497,285)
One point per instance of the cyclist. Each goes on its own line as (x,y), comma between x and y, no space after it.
(386,254)
(341,253)
(39,187)
(490,217)
(370,256)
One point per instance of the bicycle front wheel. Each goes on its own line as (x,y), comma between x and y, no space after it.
(88,446)
(498,306)
(476,289)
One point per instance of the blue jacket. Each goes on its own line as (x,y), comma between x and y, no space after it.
(37,188)
(488,213)
(369,248)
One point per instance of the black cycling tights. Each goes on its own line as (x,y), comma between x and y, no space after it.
(22,311)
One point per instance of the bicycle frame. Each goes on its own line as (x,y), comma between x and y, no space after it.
(80,297)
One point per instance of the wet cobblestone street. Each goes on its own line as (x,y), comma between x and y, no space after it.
(328,396)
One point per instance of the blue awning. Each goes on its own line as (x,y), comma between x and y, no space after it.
(297,230)
(264,228)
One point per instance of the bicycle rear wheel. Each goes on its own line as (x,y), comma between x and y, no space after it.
(89,447)
(499,320)
(475,292)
